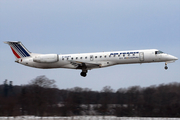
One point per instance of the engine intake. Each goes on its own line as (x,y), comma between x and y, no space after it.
(48,58)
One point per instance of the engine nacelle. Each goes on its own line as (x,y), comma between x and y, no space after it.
(47,58)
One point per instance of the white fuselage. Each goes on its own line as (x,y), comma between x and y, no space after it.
(86,61)
(102,59)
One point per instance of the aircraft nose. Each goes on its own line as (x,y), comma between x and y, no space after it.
(174,58)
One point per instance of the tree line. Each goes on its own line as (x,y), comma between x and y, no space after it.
(41,97)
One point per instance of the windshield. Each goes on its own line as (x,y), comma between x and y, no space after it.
(158,52)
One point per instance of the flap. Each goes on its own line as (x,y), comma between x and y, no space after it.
(85,65)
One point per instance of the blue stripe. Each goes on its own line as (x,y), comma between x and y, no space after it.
(18,50)
(27,54)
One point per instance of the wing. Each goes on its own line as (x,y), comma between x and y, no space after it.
(85,65)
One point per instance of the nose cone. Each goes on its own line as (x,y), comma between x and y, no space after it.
(173,58)
(170,58)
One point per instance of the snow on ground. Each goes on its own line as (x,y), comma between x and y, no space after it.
(84,118)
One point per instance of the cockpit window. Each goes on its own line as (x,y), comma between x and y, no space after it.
(158,52)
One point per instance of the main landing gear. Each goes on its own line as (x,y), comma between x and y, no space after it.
(166,67)
(84,73)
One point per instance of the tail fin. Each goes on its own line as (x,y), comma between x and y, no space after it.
(18,49)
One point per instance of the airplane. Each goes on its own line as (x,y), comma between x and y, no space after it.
(87,61)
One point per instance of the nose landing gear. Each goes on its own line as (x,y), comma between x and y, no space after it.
(166,67)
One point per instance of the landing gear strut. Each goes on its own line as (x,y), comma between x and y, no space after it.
(84,73)
(166,67)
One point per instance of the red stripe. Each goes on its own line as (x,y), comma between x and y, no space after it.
(15,53)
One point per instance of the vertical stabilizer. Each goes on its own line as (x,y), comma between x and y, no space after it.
(18,49)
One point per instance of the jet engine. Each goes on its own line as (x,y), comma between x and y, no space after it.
(48,58)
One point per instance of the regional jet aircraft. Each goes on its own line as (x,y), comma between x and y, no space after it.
(87,61)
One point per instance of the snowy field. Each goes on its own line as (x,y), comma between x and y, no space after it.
(84,118)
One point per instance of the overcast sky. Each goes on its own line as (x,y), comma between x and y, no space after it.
(81,26)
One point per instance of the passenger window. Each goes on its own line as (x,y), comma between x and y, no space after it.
(85,57)
(81,58)
(114,55)
(100,56)
(62,58)
(105,56)
(118,55)
(95,56)
(128,54)
(123,55)
(71,58)
(76,58)
(67,58)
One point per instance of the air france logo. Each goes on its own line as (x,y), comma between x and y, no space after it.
(133,53)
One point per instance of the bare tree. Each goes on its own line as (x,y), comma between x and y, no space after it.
(39,96)
(43,81)
(107,89)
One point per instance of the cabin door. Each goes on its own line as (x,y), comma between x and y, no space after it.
(141,56)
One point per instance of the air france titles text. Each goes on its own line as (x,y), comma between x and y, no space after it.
(126,55)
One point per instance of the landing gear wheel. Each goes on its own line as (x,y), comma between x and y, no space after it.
(83,74)
(165,67)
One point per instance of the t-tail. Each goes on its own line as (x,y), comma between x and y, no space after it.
(18,49)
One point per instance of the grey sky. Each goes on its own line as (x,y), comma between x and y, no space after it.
(76,26)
